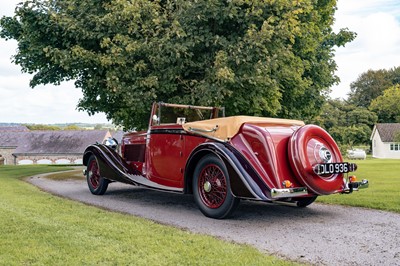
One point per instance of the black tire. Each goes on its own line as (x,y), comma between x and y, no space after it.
(304,202)
(96,183)
(211,188)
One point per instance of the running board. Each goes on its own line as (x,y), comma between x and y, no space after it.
(142,181)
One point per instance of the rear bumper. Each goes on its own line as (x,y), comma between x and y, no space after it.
(277,193)
(355,186)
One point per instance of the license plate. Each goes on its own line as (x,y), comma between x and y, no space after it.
(333,168)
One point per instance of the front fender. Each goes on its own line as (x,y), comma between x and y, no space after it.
(244,181)
(111,165)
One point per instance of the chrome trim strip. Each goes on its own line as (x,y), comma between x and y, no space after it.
(193,129)
(277,193)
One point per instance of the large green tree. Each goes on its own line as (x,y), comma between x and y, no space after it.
(259,57)
(387,106)
(371,84)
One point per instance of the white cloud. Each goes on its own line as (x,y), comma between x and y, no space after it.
(377,45)
(44,104)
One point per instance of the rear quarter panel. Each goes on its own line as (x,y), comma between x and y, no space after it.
(265,146)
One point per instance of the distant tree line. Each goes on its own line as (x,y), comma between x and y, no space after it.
(55,127)
(374,98)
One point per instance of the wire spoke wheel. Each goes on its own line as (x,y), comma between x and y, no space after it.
(96,183)
(94,174)
(211,188)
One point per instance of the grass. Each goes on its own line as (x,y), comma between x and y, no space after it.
(40,229)
(73,174)
(384,186)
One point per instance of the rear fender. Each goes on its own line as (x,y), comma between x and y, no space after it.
(244,181)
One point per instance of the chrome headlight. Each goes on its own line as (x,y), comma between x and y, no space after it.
(111,142)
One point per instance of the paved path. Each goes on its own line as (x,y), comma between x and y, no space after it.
(319,234)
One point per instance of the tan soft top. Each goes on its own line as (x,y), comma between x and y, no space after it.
(227,127)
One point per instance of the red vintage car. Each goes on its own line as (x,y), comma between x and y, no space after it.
(220,160)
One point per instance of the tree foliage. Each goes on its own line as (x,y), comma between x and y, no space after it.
(347,123)
(371,85)
(98,127)
(387,106)
(72,127)
(352,135)
(269,58)
(361,116)
(42,127)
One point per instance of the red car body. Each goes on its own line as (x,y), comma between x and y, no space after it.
(222,160)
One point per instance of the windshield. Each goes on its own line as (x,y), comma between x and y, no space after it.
(165,113)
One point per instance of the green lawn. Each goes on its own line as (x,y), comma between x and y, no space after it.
(384,186)
(40,229)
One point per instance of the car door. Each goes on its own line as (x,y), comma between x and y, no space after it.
(165,161)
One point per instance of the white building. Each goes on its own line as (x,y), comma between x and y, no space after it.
(384,144)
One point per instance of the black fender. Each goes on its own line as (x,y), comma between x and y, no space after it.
(244,180)
(111,165)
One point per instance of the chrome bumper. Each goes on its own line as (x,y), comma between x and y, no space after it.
(354,186)
(277,193)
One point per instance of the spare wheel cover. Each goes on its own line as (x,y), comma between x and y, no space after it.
(304,150)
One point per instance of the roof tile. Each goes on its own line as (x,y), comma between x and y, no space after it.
(388,131)
(51,142)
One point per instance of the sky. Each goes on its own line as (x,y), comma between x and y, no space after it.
(377,46)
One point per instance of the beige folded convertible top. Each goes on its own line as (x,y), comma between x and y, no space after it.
(226,127)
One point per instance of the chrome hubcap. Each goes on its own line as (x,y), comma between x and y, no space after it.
(207,186)
(325,154)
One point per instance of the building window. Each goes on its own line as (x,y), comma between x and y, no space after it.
(395,146)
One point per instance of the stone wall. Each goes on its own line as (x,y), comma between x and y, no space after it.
(9,159)
(50,159)
(7,155)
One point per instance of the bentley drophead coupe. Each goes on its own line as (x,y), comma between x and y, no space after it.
(221,160)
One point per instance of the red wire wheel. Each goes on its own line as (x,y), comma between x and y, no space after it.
(94,174)
(211,188)
(311,145)
(96,183)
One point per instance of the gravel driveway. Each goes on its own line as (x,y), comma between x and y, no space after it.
(319,234)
